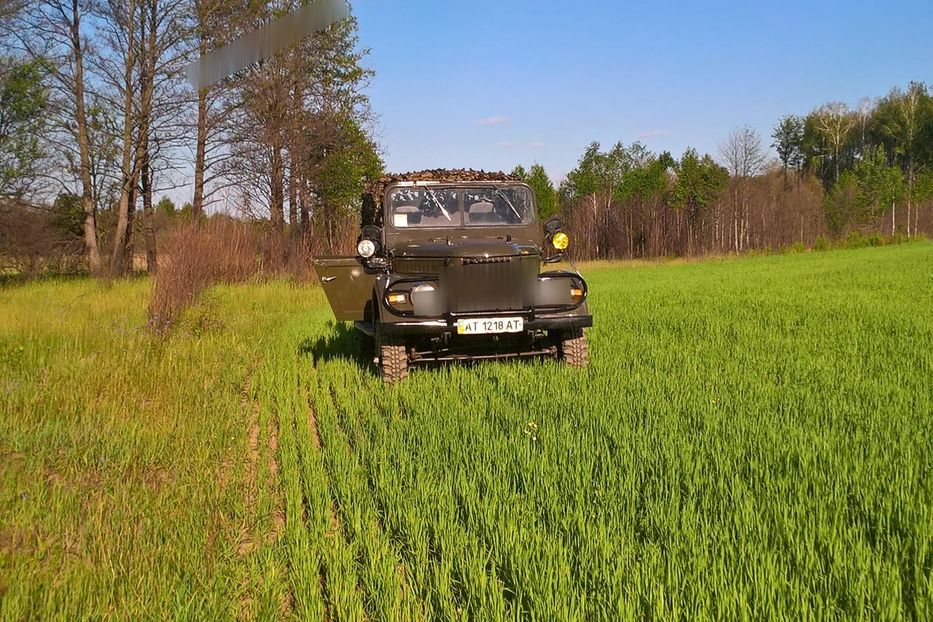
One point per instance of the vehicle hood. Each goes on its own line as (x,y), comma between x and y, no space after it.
(485,247)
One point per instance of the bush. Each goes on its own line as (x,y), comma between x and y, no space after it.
(822,244)
(795,249)
(33,244)
(855,240)
(195,256)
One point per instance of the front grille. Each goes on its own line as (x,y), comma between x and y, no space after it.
(416,266)
(488,284)
(472,261)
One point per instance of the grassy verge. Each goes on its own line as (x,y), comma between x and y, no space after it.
(753,440)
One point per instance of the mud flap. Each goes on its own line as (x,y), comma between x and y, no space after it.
(347,284)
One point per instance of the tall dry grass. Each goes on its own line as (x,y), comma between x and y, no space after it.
(193,256)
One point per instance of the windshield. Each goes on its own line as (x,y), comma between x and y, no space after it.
(453,206)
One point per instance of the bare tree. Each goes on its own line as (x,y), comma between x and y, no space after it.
(123,19)
(742,152)
(744,157)
(54,30)
(834,122)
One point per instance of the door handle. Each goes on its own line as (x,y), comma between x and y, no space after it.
(328,279)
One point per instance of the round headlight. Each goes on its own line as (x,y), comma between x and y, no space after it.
(560,240)
(366,248)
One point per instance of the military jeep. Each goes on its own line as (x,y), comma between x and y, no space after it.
(455,265)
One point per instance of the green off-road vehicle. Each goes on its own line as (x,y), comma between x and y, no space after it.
(453,265)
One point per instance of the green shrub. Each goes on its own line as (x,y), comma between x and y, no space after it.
(856,239)
(822,244)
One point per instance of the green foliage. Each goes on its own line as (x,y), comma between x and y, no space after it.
(922,188)
(602,173)
(841,203)
(649,181)
(751,441)
(788,138)
(900,122)
(835,139)
(699,183)
(68,214)
(879,186)
(24,100)
(545,194)
(166,206)
(352,160)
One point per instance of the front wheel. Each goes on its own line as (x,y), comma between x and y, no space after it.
(393,363)
(573,349)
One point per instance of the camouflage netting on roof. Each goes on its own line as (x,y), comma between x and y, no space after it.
(372,194)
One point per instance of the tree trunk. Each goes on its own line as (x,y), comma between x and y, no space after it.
(129,165)
(148,226)
(197,203)
(95,263)
(147,86)
(276,185)
(910,193)
(595,226)
(303,206)
(292,195)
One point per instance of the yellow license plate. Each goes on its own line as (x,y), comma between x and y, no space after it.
(490,325)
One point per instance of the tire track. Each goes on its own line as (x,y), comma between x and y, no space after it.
(335,534)
(360,446)
(247,542)
(261,527)
(245,606)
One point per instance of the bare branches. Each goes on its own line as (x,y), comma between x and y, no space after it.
(742,152)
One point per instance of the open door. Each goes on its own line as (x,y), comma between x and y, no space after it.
(347,285)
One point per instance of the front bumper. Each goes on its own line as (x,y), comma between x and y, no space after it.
(447,325)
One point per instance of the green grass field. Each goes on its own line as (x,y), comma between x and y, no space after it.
(753,440)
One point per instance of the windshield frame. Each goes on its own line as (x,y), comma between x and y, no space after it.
(459,222)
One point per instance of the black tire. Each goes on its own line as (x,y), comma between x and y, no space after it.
(573,349)
(393,363)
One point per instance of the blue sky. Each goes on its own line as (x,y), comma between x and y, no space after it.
(489,84)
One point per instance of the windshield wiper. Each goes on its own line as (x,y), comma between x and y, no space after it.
(514,211)
(433,197)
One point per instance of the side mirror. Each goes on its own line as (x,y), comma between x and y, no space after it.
(371,232)
(553,225)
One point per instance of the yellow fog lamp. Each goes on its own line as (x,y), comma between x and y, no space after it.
(397,299)
(560,241)
(576,294)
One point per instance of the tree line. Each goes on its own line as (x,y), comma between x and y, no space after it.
(97,119)
(838,170)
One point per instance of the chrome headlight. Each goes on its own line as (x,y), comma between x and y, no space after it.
(366,248)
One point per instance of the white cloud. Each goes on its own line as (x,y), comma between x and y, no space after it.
(485,121)
(536,145)
(653,133)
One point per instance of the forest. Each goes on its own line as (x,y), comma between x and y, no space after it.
(98,124)
(98,120)
(839,172)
